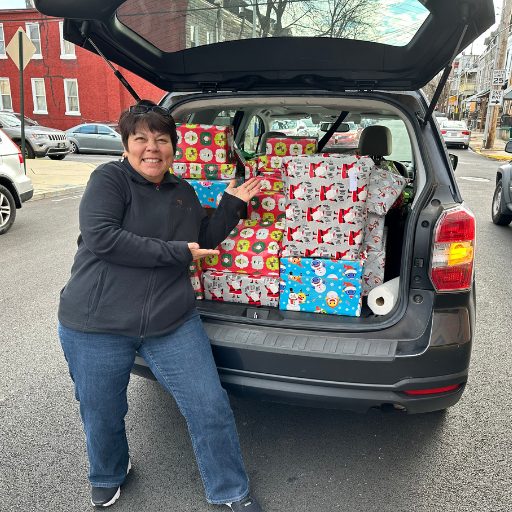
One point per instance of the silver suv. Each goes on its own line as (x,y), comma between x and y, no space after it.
(40,140)
(15,186)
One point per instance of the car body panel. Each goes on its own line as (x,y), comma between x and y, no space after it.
(309,60)
(95,138)
(504,175)
(12,172)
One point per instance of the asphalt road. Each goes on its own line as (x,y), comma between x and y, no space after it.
(299,460)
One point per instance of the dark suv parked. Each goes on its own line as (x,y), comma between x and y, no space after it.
(502,199)
(416,357)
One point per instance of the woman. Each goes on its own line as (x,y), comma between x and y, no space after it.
(129,290)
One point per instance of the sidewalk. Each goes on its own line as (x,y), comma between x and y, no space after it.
(58,177)
(496,153)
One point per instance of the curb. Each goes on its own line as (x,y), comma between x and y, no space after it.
(491,156)
(58,192)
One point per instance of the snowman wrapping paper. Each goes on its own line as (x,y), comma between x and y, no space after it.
(325,286)
(326,208)
(209,193)
(267,205)
(200,171)
(252,247)
(255,290)
(271,181)
(195,273)
(204,143)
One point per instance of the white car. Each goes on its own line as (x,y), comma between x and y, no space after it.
(15,186)
(456,133)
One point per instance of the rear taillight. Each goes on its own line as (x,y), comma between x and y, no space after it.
(443,132)
(432,391)
(465,132)
(20,157)
(451,267)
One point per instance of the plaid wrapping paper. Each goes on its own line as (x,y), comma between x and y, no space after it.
(204,143)
(326,206)
(255,290)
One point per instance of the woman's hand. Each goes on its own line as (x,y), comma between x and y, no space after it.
(246,191)
(198,253)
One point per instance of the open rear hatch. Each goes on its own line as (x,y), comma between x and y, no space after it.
(226,45)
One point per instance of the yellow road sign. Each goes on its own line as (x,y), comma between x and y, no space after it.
(13,49)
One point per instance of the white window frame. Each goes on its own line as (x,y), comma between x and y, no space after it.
(2,78)
(63,43)
(34,96)
(2,38)
(194,36)
(27,25)
(71,112)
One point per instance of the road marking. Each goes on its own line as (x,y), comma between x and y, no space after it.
(472,178)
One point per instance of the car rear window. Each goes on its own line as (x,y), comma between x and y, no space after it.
(454,124)
(175,26)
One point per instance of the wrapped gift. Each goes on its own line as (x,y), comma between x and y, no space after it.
(374,233)
(204,143)
(198,171)
(373,273)
(321,286)
(251,168)
(209,192)
(325,205)
(290,146)
(271,181)
(252,247)
(385,187)
(195,272)
(256,290)
(267,205)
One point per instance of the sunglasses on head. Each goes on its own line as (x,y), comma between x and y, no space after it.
(144,109)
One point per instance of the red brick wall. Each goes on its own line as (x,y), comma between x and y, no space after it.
(101,96)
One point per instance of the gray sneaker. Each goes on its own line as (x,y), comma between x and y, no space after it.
(106,496)
(248,504)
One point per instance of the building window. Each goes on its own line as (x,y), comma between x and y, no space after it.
(67,49)
(35,36)
(2,43)
(194,36)
(39,96)
(71,96)
(5,94)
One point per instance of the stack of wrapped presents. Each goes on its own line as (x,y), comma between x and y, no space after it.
(205,158)
(315,235)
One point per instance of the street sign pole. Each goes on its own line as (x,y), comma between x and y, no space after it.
(22,102)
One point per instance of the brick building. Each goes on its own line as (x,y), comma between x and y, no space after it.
(64,84)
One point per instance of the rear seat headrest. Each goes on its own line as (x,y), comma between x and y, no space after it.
(270,135)
(375,141)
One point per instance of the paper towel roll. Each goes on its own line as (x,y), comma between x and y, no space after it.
(382,299)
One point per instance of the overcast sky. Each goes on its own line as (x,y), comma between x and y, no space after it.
(478,45)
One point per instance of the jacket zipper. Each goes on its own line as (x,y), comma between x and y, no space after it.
(147,302)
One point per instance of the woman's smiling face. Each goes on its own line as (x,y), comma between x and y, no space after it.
(150,153)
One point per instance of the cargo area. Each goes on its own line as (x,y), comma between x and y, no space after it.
(302,148)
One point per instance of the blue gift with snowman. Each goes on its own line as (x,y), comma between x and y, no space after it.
(209,192)
(331,287)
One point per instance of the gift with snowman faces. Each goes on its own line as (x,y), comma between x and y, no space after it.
(326,207)
(255,290)
(331,287)
(267,205)
(200,171)
(252,247)
(209,193)
(204,144)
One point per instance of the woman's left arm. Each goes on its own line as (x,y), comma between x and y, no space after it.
(230,210)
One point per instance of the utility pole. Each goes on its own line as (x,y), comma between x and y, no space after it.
(499,63)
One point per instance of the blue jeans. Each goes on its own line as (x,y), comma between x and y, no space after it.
(182,362)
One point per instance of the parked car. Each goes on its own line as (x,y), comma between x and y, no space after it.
(414,358)
(295,127)
(501,211)
(94,138)
(28,120)
(40,140)
(15,186)
(456,133)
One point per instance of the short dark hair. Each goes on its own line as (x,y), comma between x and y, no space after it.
(153,121)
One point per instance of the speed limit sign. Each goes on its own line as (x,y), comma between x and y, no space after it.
(498,76)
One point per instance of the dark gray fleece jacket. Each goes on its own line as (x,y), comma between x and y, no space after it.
(130,273)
